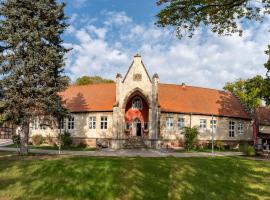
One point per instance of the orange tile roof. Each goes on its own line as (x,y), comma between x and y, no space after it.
(172,98)
(98,97)
(263,115)
(197,100)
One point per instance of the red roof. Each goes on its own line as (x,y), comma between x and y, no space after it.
(98,97)
(263,115)
(172,98)
(197,100)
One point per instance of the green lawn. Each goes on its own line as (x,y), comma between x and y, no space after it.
(53,177)
(71,148)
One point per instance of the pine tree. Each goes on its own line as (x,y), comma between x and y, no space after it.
(32,61)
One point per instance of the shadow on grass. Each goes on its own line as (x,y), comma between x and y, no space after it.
(134,178)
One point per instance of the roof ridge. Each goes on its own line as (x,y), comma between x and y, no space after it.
(74,85)
(195,87)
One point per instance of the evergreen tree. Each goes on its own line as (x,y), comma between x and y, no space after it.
(32,61)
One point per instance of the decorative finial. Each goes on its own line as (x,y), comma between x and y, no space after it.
(118,75)
(137,55)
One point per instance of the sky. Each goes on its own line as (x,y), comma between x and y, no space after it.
(105,34)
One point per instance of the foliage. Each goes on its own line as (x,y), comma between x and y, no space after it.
(37,139)
(32,61)
(224,17)
(248,150)
(249,91)
(219,145)
(16,139)
(190,136)
(66,139)
(86,80)
(82,145)
(69,177)
(49,140)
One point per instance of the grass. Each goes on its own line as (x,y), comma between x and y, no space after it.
(208,150)
(71,148)
(54,177)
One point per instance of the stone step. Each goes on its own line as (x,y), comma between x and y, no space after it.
(134,143)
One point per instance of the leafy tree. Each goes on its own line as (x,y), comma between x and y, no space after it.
(250,91)
(190,136)
(224,17)
(31,61)
(85,80)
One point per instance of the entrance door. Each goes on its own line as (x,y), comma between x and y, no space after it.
(137,127)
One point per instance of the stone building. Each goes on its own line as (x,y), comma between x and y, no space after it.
(138,106)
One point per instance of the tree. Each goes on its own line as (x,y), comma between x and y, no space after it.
(224,17)
(85,80)
(32,62)
(249,91)
(190,136)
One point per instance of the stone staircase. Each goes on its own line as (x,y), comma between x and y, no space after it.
(135,142)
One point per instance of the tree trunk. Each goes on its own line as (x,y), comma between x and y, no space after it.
(24,135)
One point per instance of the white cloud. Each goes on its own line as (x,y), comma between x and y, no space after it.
(205,60)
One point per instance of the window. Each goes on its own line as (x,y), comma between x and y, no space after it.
(145,126)
(137,103)
(71,123)
(231,129)
(92,122)
(203,124)
(169,122)
(62,124)
(35,124)
(181,123)
(127,126)
(213,124)
(240,127)
(103,122)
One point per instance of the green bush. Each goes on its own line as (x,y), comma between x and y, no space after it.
(219,145)
(66,139)
(248,150)
(190,136)
(37,140)
(16,139)
(82,145)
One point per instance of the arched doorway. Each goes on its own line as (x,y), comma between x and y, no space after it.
(136,116)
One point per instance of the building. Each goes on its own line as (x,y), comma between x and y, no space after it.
(138,106)
(262,128)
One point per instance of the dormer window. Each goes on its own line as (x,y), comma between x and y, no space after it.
(137,103)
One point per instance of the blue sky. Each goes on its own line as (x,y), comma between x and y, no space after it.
(105,34)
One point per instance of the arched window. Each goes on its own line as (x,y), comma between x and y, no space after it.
(137,103)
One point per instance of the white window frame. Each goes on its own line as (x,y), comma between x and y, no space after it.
(181,123)
(145,126)
(169,123)
(240,127)
(137,103)
(203,124)
(103,122)
(92,122)
(71,123)
(213,124)
(232,128)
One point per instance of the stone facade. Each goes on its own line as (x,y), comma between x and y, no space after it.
(137,88)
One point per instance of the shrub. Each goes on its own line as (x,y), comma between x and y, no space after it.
(190,136)
(66,139)
(82,145)
(37,139)
(248,150)
(16,139)
(219,145)
(49,140)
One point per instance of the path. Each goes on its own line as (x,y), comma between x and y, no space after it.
(127,153)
